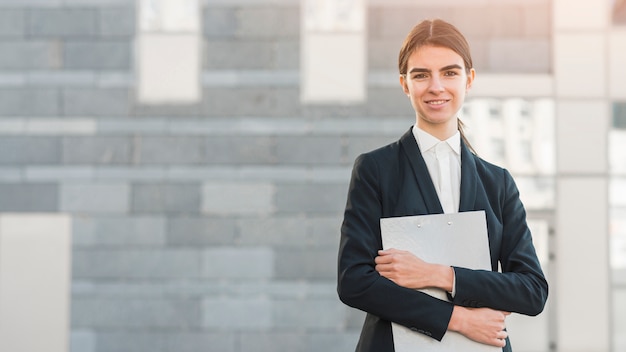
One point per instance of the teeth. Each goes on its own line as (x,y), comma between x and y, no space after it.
(436,102)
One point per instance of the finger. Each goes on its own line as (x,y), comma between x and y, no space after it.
(384,268)
(501,341)
(502,335)
(383,259)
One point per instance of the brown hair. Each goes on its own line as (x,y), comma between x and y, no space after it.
(442,34)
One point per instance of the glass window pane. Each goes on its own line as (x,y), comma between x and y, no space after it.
(515,133)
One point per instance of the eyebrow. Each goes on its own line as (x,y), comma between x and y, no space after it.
(445,68)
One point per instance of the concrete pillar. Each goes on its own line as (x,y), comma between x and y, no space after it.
(35,251)
(581,285)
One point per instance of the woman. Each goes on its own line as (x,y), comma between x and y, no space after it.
(405,178)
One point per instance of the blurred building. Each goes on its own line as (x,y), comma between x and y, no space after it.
(201,152)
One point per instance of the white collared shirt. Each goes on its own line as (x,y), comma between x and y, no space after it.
(443,160)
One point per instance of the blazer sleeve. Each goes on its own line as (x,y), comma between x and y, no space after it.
(359,284)
(521,287)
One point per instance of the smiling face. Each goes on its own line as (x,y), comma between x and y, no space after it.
(436,82)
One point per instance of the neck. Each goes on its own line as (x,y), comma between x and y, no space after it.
(441,131)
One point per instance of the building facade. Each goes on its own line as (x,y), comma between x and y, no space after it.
(204,212)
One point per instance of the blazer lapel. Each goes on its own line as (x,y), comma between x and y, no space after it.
(469,180)
(429,198)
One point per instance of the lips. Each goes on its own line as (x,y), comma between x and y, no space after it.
(436,102)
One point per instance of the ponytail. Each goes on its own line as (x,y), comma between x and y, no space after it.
(461,126)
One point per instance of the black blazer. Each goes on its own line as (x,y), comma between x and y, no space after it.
(394,181)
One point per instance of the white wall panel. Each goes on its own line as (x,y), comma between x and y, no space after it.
(582,130)
(580,65)
(35,256)
(582,286)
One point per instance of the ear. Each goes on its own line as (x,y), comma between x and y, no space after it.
(470,79)
(404,85)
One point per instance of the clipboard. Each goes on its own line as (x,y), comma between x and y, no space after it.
(455,239)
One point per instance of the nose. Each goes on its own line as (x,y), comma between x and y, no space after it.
(436,85)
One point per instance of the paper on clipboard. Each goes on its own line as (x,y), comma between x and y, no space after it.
(455,239)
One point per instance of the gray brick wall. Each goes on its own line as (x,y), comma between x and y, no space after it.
(211,226)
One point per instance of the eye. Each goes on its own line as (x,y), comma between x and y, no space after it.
(450,73)
(420,75)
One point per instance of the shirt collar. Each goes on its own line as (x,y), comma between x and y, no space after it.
(426,141)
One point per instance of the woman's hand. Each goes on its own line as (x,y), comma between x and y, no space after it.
(484,325)
(407,270)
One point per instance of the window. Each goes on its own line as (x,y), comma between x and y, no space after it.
(168,52)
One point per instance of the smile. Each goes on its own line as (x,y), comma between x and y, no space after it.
(437,102)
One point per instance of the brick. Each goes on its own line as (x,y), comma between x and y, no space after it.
(29,55)
(150,289)
(135,313)
(171,150)
(82,197)
(219,22)
(312,198)
(96,101)
(58,173)
(508,21)
(354,318)
(29,150)
(130,173)
(29,102)
(100,55)
(526,56)
(337,111)
(359,145)
(238,263)
(23,3)
(240,150)
(394,23)
(332,341)
(196,231)
(262,101)
(268,22)
(309,150)
(287,102)
(480,53)
(82,340)
(116,21)
(323,231)
(172,198)
(124,125)
(537,20)
(149,263)
(276,231)
(237,198)
(28,197)
(59,126)
(464,18)
(391,102)
(306,264)
(61,22)
(10,174)
(237,54)
(166,341)
(267,342)
(230,313)
(309,313)
(96,150)
(119,231)
(287,54)
(12,23)
(382,54)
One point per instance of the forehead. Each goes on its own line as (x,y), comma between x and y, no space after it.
(434,57)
